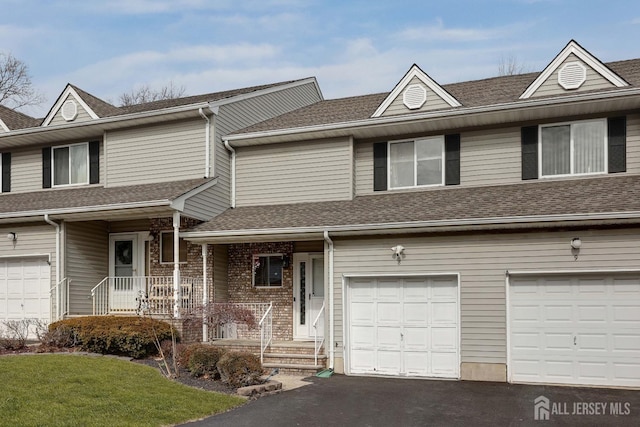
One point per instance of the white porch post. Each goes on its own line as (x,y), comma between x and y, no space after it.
(176,264)
(205,294)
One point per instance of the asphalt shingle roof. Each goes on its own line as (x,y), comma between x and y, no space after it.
(17,120)
(476,93)
(612,193)
(80,197)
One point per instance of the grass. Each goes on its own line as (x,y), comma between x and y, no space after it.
(66,390)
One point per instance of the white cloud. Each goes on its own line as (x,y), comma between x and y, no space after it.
(438,32)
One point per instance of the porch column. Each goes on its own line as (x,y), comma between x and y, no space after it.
(205,294)
(176,265)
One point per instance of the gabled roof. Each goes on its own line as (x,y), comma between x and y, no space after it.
(12,119)
(416,74)
(613,197)
(67,93)
(97,105)
(573,48)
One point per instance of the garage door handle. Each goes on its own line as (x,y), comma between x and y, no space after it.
(575,338)
(401,336)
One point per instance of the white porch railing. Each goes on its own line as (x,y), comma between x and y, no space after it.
(59,300)
(237,330)
(147,295)
(266,331)
(318,342)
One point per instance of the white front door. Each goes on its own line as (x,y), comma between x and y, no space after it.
(579,330)
(126,272)
(308,295)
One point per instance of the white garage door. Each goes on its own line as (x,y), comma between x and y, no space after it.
(403,326)
(24,289)
(575,330)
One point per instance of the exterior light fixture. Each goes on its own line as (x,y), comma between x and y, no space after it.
(12,236)
(576,243)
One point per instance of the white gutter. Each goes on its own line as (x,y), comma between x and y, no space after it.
(380,121)
(207,143)
(233,172)
(57,227)
(85,209)
(331,303)
(419,224)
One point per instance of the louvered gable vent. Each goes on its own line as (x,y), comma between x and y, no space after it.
(572,75)
(69,110)
(414,96)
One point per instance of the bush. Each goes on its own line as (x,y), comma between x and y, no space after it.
(14,334)
(240,369)
(203,360)
(128,336)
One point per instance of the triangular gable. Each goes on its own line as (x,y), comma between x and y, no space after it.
(416,92)
(573,69)
(70,107)
(4,127)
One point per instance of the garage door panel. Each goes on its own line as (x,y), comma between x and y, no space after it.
(363,336)
(591,338)
(416,326)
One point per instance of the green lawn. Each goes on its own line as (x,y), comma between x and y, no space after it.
(66,390)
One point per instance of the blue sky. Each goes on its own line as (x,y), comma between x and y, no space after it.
(352,47)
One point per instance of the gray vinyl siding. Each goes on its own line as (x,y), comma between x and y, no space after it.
(203,205)
(433,102)
(312,171)
(130,226)
(482,261)
(82,116)
(490,157)
(633,143)
(364,168)
(166,152)
(220,273)
(86,262)
(32,239)
(245,113)
(594,81)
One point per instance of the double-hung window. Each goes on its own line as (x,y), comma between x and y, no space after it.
(70,164)
(577,148)
(416,163)
(166,248)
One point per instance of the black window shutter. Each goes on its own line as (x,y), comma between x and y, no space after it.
(529,136)
(6,172)
(617,144)
(94,162)
(452,159)
(380,166)
(46,167)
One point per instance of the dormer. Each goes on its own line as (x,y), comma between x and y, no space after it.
(416,92)
(573,70)
(75,105)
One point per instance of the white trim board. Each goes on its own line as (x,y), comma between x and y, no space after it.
(69,91)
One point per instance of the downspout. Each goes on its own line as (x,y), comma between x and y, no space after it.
(176,265)
(205,293)
(331,304)
(233,172)
(57,227)
(207,144)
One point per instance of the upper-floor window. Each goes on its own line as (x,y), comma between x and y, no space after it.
(70,164)
(576,148)
(267,270)
(416,163)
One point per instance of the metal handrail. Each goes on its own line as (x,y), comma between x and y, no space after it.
(101,303)
(61,302)
(266,316)
(315,332)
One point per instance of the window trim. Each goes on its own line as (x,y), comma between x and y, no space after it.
(572,150)
(253,273)
(441,138)
(160,261)
(53,166)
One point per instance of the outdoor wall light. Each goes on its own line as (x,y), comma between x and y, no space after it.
(398,252)
(576,243)
(12,236)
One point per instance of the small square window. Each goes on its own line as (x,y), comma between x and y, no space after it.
(70,164)
(267,270)
(416,163)
(166,248)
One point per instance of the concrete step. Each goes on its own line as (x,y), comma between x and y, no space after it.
(294,368)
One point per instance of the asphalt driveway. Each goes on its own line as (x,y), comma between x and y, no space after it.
(362,401)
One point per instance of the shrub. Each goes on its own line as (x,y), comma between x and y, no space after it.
(14,334)
(129,336)
(239,369)
(203,360)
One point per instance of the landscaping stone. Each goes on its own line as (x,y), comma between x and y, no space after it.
(261,389)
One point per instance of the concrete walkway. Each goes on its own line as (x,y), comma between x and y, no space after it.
(363,401)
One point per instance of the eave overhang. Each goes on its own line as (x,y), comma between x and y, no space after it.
(457,118)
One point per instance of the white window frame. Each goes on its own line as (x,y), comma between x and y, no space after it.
(253,273)
(53,166)
(572,152)
(1,183)
(415,162)
(180,239)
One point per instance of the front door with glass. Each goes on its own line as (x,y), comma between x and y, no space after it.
(308,295)
(125,283)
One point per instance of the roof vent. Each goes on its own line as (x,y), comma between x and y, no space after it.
(572,75)
(414,96)
(69,110)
